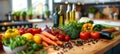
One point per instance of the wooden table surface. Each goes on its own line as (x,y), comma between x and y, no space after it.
(99,48)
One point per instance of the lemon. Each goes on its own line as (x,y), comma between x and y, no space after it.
(37,39)
(28,36)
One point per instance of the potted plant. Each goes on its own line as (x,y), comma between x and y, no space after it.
(38,16)
(29,13)
(23,14)
(92,11)
(13,45)
(17,15)
(47,13)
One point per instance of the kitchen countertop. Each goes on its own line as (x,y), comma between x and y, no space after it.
(98,48)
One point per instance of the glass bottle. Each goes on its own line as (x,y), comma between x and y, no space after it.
(68,14)
(56,18)
(73,18)
(61,15)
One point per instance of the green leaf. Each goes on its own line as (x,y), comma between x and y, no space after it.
(43,52)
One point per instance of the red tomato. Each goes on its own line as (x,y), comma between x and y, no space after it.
(95,35)
(61,37)
(67,38)
(84,35)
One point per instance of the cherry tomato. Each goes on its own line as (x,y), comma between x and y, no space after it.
(95,35)
(61,37)
(67,38)
(84,35)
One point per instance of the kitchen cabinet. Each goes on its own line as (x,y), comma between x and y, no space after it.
(114,50)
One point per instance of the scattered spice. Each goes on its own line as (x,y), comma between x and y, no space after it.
(64,50)
(61,52)
(96,40)
(89,44)
(82,48)
(101,40)
(93,42)
(69,45)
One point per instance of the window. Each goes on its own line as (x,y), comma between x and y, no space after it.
(19,5)
(37,6)
(57,0)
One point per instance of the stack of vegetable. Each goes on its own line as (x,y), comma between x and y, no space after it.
(57,32)
(32,47)
(49,39)
(73,29)
(95,32)
(85,30)
(34,30)
(36,38)
(14,42)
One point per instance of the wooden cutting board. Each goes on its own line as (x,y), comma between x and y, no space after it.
(99,48)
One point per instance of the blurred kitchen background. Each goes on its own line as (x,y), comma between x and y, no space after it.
(38,7)
(34,11)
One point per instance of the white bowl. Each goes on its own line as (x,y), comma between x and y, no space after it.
(8,50)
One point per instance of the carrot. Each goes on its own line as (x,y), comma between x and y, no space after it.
(47,40)
(44,44)
(59,42)
(49,35)
(110,29)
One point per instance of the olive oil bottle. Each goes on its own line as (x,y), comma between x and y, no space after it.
(68,14)
(56,18)
(61,15)
(73,18)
